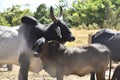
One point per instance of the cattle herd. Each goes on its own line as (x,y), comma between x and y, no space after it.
(35,46)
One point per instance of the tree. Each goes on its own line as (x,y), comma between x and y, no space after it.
(3,21)
(42,14)
(12,15)
(63,3)
(89,11)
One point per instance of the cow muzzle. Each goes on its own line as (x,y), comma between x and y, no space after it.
(72,38)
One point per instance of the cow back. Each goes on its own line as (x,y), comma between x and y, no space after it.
(110,38)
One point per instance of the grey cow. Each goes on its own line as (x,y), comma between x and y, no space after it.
(59,60)
(16,42)
(109,38)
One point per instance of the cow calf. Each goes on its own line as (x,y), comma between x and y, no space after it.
(59,60)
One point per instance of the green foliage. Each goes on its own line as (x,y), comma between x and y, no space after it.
(3,21)
(89,11)
(42,14)
(12,16)
(63,3)
(104,13)
(84,14)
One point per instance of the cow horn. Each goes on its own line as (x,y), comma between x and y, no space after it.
(52,15)
(61,13)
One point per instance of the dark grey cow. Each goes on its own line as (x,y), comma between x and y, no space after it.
(111,39)
(59,60)
(16,42)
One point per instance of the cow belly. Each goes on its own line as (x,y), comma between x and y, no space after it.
(8,55)
(85,64)
(8,49)
(78,69)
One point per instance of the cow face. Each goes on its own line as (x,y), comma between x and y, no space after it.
(38,46)
(66,35)
(42,46)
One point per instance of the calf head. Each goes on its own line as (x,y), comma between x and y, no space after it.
(42,47)
(38,46)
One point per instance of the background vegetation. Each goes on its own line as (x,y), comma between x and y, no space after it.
(84,14)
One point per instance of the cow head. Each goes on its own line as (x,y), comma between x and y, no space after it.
(61,27)
(57,30)
(38,46)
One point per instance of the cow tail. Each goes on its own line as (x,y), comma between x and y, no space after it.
(110,65)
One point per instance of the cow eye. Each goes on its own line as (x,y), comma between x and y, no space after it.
(54,45)
(58,30)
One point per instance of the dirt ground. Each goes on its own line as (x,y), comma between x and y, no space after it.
(12,75)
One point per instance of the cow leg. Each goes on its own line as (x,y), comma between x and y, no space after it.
(116,73)
(59,73)
(100,75)
(24,67)
(59,76)
(9,66)
(92,76)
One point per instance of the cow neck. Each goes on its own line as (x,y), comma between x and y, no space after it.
(30,33)
(49,32)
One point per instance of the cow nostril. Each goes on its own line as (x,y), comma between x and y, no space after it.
(73,38)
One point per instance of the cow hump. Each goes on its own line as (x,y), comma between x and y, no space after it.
(29,20)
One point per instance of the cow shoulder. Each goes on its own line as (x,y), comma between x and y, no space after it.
(29,20)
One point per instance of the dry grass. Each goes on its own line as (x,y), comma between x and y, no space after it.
(81,39)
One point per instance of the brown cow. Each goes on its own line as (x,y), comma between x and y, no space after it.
(116,73)
(59,60)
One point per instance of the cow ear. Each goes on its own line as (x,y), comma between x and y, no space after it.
(52,15)
(29,20)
